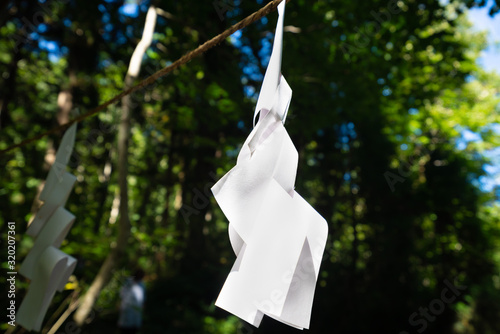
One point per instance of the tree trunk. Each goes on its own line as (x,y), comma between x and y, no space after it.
(116,253)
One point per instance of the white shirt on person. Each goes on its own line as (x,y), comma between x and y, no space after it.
(132,301)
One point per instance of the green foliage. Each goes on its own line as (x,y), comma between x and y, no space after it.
(381,98)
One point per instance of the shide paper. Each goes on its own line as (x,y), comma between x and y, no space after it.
(46,266)
(278,238)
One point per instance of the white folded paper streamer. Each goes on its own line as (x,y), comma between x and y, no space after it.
(46,266)
(279,239)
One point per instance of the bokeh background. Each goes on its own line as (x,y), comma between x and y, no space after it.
(395,114)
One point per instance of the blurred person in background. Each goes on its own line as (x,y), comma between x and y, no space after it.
(132,301)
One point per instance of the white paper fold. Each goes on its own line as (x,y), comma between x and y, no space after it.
(277,236)
(46,266)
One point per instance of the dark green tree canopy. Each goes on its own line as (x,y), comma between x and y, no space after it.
(382,93)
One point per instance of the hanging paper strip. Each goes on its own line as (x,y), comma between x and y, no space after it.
(46,266)
(278,238)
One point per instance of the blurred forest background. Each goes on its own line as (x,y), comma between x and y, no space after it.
(395,123)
